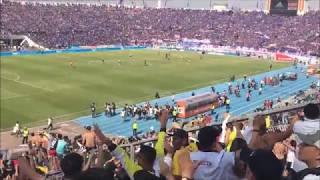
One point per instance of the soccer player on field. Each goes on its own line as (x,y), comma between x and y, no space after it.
(71,64)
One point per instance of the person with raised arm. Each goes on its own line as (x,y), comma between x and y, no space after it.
(148,158)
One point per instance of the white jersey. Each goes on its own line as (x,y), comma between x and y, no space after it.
(214,165)
(150,111)
(49,121)
(122,114)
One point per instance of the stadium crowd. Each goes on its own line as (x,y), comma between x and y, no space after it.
(59,26)
(278,147)
(55,156)
(235,151)
(284,147)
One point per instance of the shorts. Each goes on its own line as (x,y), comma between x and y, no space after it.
(8,173)
(52,152)
(88,149)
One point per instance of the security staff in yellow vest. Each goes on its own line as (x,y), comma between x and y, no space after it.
(268,121)
(212,109)
(25,135)
(174,115)
(227,103)
(134,128)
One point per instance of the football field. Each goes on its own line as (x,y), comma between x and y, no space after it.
(34,88)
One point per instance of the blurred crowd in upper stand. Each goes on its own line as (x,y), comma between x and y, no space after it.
(59,26)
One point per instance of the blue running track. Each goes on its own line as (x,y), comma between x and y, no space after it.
(115,125)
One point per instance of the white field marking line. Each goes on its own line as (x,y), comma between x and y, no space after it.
(95,62)
(27,84)
(140,98)
(13,97)
(44,120)
(68,114)
(63,115)
(15,74)
(216,82)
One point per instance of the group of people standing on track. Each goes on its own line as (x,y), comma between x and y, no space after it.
(250,84)
(109,109)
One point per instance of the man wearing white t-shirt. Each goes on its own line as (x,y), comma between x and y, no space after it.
(308,138)
(214,164)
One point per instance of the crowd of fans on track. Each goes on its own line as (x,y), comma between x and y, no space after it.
(59,26)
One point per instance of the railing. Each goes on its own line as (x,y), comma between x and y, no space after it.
(293,109)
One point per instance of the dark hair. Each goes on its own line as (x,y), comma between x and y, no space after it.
(264,164)
(96,174)
(311,111)
(207,136)
(59,136)
(240,126)
(293,143)
(71,164)
(88,128)
(229,125)
(238,144)
(148,153)
(66,138)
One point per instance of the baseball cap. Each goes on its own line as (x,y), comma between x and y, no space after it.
(263,163)
(208,135)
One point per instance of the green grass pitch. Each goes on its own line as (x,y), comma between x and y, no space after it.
(34,88)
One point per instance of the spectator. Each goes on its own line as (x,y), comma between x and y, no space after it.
(181,146)
(308,130)
(50,124)
(71,165)
(135,128)
(215,164)
(291,153)
(8,169)
(61,146)
(210,162)
(307,135)
(96,174)
(263,164)
(16,129)
(260,139)
(25,135)
(241,168)
(148,166)
(129,26)
(237,144)
(89,139)
(231,134)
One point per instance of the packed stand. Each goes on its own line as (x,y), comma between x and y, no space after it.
(249,150)
(59,26)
